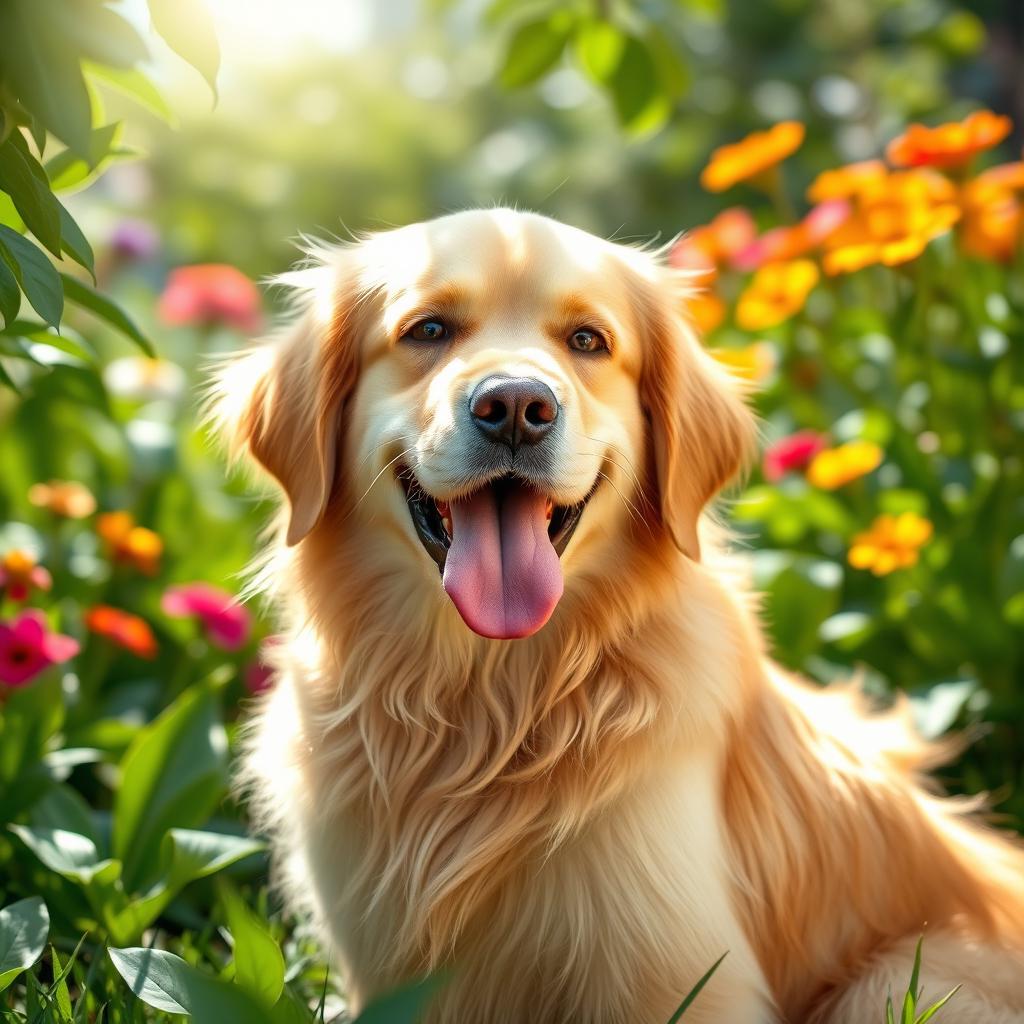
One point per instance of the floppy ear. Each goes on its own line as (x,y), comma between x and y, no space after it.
(702,433)
(283,400)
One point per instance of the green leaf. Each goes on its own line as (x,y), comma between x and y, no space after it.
(61,1000)
(35,274)
(81,294)
(696,990)
(173,775)
(136,86)
(69,854)
(640,103)
(24,927)
(63,807)
(259,965)
(910,1000)
(103,35)
(890,1013)
(43,70)
(188,30)
(10,294)
(194,854)
(404,1006)
(532,51)
(69,170)
(599,46)
(23,178)
(74,242)
(935,1007)
(166,982)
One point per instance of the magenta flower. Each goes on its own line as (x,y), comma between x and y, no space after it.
(27,648)
(226,622)
(259,674)
(791,453)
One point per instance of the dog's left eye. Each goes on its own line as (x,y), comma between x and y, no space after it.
(586,340)
(428,330)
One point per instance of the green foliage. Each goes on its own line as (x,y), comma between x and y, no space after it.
(909,1013)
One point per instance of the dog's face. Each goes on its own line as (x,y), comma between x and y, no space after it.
(502,393)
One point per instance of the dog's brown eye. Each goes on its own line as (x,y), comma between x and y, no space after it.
(586,340)
(428,330)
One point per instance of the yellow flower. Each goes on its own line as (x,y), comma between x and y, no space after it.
(752,362)
(834,467)
(751,156)
(948,145)
(129,543)
(777,292)
(892,542)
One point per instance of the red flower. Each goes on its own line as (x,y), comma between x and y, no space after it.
(791,242)
(122,628)
(791,453)
(20,575)
(211,293)
(226,622)
(27,648)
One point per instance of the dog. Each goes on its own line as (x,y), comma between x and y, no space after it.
(525,729)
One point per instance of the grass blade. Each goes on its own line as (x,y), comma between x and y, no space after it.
(696,990)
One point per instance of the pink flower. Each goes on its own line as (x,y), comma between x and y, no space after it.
(226,622)
(791,453)
(259,674)
(27,647)
(211,293)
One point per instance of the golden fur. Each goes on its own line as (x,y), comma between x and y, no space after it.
(581,822)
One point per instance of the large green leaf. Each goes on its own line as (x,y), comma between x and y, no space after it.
(81,294)
(188,30)
(103,35)
(69,854)
(35,274)
(533,50)
(10,294)
(166,982)
(68,170)
(599,46)
(74,242)
(640,101)
(173,775)
(259,965)
(23,178)
(43,69)
(23,929)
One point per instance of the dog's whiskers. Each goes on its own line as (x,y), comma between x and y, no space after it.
(384,469)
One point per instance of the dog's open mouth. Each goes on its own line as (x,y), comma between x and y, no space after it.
(498,551)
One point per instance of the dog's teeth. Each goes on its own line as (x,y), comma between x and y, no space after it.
(550,510)
(446,522)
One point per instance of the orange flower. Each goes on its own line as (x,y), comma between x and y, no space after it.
(892,542)
(948,145)
(845,182)
(707,310)
(895,218)
(792,241)
(706,248)
(832,468)
(123,628)
(134,545)
(20,574)
(751,156)
(993,224)
(64,498)
(752,362)
(777,292)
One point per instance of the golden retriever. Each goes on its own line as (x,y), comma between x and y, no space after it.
(525,726)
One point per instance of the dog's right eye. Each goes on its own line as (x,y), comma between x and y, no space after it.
(428,330)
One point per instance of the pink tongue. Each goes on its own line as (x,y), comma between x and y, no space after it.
(502,572)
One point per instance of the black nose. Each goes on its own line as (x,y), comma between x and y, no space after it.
(513,410)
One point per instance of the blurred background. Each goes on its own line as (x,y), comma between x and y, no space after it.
(877,307)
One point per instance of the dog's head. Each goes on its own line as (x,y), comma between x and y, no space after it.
(497,397)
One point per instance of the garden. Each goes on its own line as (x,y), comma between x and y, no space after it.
(843,182)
